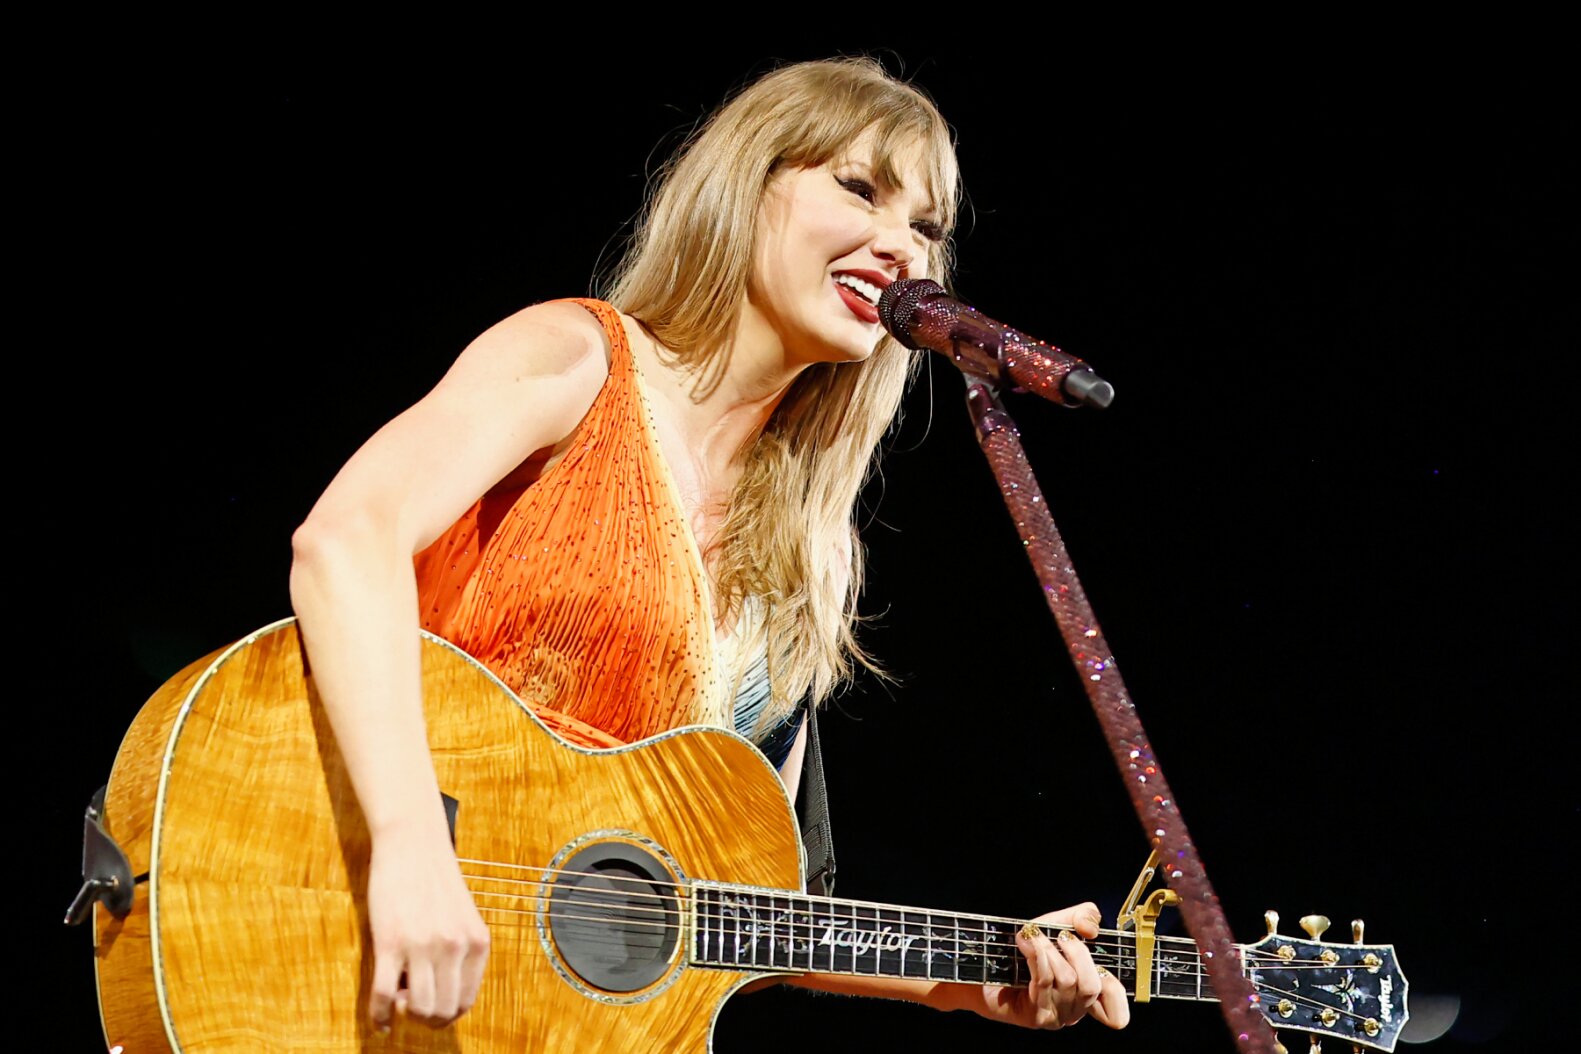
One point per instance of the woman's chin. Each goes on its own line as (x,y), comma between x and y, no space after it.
(856,345)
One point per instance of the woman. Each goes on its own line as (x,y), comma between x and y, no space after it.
(664,534)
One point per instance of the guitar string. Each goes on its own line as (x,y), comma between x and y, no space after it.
(808,920)
(790,951)
(788,930)
(786,895)
(833,913)
(1192,973)
(985,930)
(705,964)
(678,898)
(1248,951)
(1007,950)
(1297,997)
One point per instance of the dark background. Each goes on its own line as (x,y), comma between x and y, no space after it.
(1320,524)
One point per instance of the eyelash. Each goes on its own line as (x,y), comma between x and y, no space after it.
(864,190)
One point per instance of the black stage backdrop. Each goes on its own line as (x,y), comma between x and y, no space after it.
(1318,525)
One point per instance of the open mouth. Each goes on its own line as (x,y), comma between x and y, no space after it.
(859,294)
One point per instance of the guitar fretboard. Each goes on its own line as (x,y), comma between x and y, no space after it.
(739,928)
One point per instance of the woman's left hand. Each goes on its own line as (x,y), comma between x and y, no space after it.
(1066,984)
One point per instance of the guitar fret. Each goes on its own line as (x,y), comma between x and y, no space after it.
(982,958)
(877,931)
(913,964)
(734,915)
(779,917)
(955,959)
(719,927)
(748,925)
(1179,972)
(700,925)
(773,930)
(811,944)
(873,928)
(700,934)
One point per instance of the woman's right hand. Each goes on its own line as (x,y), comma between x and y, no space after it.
(429,942)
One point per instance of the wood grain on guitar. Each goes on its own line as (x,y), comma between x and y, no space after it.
(628,892)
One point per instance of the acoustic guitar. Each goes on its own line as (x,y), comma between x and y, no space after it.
(628,892)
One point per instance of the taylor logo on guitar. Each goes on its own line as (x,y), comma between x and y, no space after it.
(628,892)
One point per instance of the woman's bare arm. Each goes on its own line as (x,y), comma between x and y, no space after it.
(518,389)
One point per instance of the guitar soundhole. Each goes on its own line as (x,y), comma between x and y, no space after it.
(614,917)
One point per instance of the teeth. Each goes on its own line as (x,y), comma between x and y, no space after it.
(867,290)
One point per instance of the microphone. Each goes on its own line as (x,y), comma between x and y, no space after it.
(920,314)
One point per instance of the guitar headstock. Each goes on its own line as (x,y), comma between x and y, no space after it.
(1352,992)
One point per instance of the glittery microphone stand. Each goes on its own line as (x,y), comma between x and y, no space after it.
(1028,365)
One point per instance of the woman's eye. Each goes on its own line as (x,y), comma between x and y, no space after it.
(861,188)
(929,230)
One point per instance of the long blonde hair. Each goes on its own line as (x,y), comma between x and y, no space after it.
(789,535)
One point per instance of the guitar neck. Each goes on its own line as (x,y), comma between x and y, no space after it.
(752,929)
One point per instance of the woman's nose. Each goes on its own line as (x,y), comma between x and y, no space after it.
(892,241)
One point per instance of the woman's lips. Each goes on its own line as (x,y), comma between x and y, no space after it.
(860,308)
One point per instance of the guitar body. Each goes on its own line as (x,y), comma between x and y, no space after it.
(251,931)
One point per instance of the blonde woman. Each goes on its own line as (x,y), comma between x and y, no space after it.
(638,512)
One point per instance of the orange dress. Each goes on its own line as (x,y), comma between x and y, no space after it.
(585,591)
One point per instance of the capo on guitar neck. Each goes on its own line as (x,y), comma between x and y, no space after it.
(1143,915)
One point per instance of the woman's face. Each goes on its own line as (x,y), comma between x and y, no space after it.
(830,238)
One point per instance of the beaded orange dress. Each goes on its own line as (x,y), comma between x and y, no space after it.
(585,591)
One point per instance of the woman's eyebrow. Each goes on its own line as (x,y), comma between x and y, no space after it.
(888,177)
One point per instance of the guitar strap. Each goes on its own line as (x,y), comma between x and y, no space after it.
(814,810)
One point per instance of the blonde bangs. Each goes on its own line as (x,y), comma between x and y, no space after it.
(900,134)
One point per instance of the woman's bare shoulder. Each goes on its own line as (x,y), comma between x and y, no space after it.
(555,338)
(517,390)
(541,367)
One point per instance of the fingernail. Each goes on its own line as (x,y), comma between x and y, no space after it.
(1066,935)
(1031,930)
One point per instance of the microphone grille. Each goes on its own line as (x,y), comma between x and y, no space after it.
(899,303)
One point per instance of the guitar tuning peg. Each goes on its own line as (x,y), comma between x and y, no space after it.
(1271,919)
(1357,926)
(1314,925)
